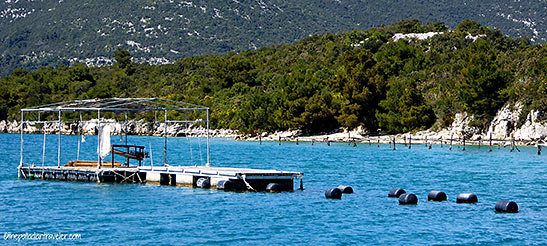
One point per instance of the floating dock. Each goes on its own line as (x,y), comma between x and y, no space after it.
(114,171)
(83,174)
(242,179)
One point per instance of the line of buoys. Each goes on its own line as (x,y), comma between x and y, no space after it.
(345,189)
(203,183)
(502,206)
(466,198)
(336,193)
(506,207)
(273,187)
(408,199)
(333,193)
(436,196)
(225,185)
(396,193)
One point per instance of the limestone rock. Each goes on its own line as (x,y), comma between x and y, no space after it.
(3,125)
(532,129)
(504,122)
(460,127)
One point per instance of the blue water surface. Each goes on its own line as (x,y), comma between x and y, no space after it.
(132,214)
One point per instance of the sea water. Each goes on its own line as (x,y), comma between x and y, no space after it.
(136,214)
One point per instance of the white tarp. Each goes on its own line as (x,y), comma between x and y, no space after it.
(104,146)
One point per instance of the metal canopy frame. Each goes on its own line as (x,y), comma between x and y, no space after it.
(114,105)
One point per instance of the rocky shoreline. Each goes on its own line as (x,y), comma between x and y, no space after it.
(502,131)
(140,128)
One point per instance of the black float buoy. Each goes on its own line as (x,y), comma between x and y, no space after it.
(333,193)
(225,185)
(273,187)
(396,193)
(345,189)
(203,183)
(466,198)
(507,207)
(436,196)
(408,199)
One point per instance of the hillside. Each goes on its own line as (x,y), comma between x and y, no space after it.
(55,32)
(378,78)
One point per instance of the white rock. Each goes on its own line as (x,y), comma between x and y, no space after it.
(504,122)
(419,36)
(460,127)
(532,129)
(3,125)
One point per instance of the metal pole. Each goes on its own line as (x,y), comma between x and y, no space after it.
(125,130)
(99,139)
(79,137)
(59,147)
(165,144)
(150,141)
(44,145)
(22,123)
(150,146)
(208,143)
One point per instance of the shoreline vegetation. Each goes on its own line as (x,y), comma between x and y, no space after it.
(389,80)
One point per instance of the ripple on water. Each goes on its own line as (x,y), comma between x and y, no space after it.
(150,214)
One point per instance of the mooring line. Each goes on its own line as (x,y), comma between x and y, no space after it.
(246,183)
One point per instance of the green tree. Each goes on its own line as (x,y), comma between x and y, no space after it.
(482,84)
(122,57)
(404,108)
(360,90)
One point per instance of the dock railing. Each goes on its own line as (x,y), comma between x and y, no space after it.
(110,106)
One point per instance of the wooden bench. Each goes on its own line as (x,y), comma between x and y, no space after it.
(91,164)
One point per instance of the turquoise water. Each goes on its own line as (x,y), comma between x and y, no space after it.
(129,214)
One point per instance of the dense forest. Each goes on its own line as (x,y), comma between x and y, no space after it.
(323,82)
(54,32)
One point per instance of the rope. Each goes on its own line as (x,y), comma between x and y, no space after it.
(124,177)
(246,183)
